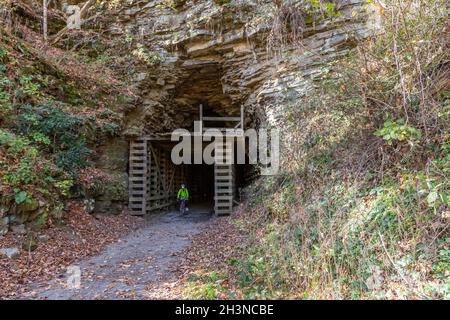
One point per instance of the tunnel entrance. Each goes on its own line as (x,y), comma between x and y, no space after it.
(154,179)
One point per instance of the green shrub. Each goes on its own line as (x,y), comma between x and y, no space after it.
(29,87)
(398,131)
(3,56)
(5,95)
(73,158)
(27,175)
(58,131)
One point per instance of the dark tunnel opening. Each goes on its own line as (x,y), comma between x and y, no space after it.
(162,179)
(202,105)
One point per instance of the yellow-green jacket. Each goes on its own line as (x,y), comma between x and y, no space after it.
(183,194)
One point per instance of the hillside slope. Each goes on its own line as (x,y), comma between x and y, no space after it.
(360,208)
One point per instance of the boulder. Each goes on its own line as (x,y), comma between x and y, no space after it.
(17,219)
(43,238)
(103,206)
(18,229)
(117,207)
(10,253)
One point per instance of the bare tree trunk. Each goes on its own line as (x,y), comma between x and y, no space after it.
(45,26)
(83,10)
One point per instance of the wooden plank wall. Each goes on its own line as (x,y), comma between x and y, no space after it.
(153,178)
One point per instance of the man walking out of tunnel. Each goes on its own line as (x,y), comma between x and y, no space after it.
(183,196)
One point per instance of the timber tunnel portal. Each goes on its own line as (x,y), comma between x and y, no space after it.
(154,178)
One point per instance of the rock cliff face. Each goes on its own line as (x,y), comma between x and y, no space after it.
(216,53)
(224,55)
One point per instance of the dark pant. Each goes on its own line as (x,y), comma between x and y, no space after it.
(182,206)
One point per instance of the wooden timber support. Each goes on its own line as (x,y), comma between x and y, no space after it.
(138,176)
(224,179)
(154,179)
(237,130)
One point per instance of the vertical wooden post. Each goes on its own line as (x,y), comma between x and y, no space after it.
(138,177)
(154,176)
(201,119)
(148,176)
(242,117)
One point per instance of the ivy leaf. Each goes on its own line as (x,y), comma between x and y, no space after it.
(21,197)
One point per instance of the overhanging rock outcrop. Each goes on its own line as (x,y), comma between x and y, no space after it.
(217,54)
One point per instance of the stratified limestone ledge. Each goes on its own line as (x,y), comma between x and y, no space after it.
(217,55)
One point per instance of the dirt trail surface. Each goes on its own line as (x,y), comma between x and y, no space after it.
(130,268)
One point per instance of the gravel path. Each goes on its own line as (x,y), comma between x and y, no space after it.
(129,268)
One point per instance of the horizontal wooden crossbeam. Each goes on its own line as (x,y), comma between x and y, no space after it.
(221,118)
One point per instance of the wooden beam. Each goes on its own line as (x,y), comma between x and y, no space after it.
(242,117)
(157,162)
(201,118)
(221,118)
